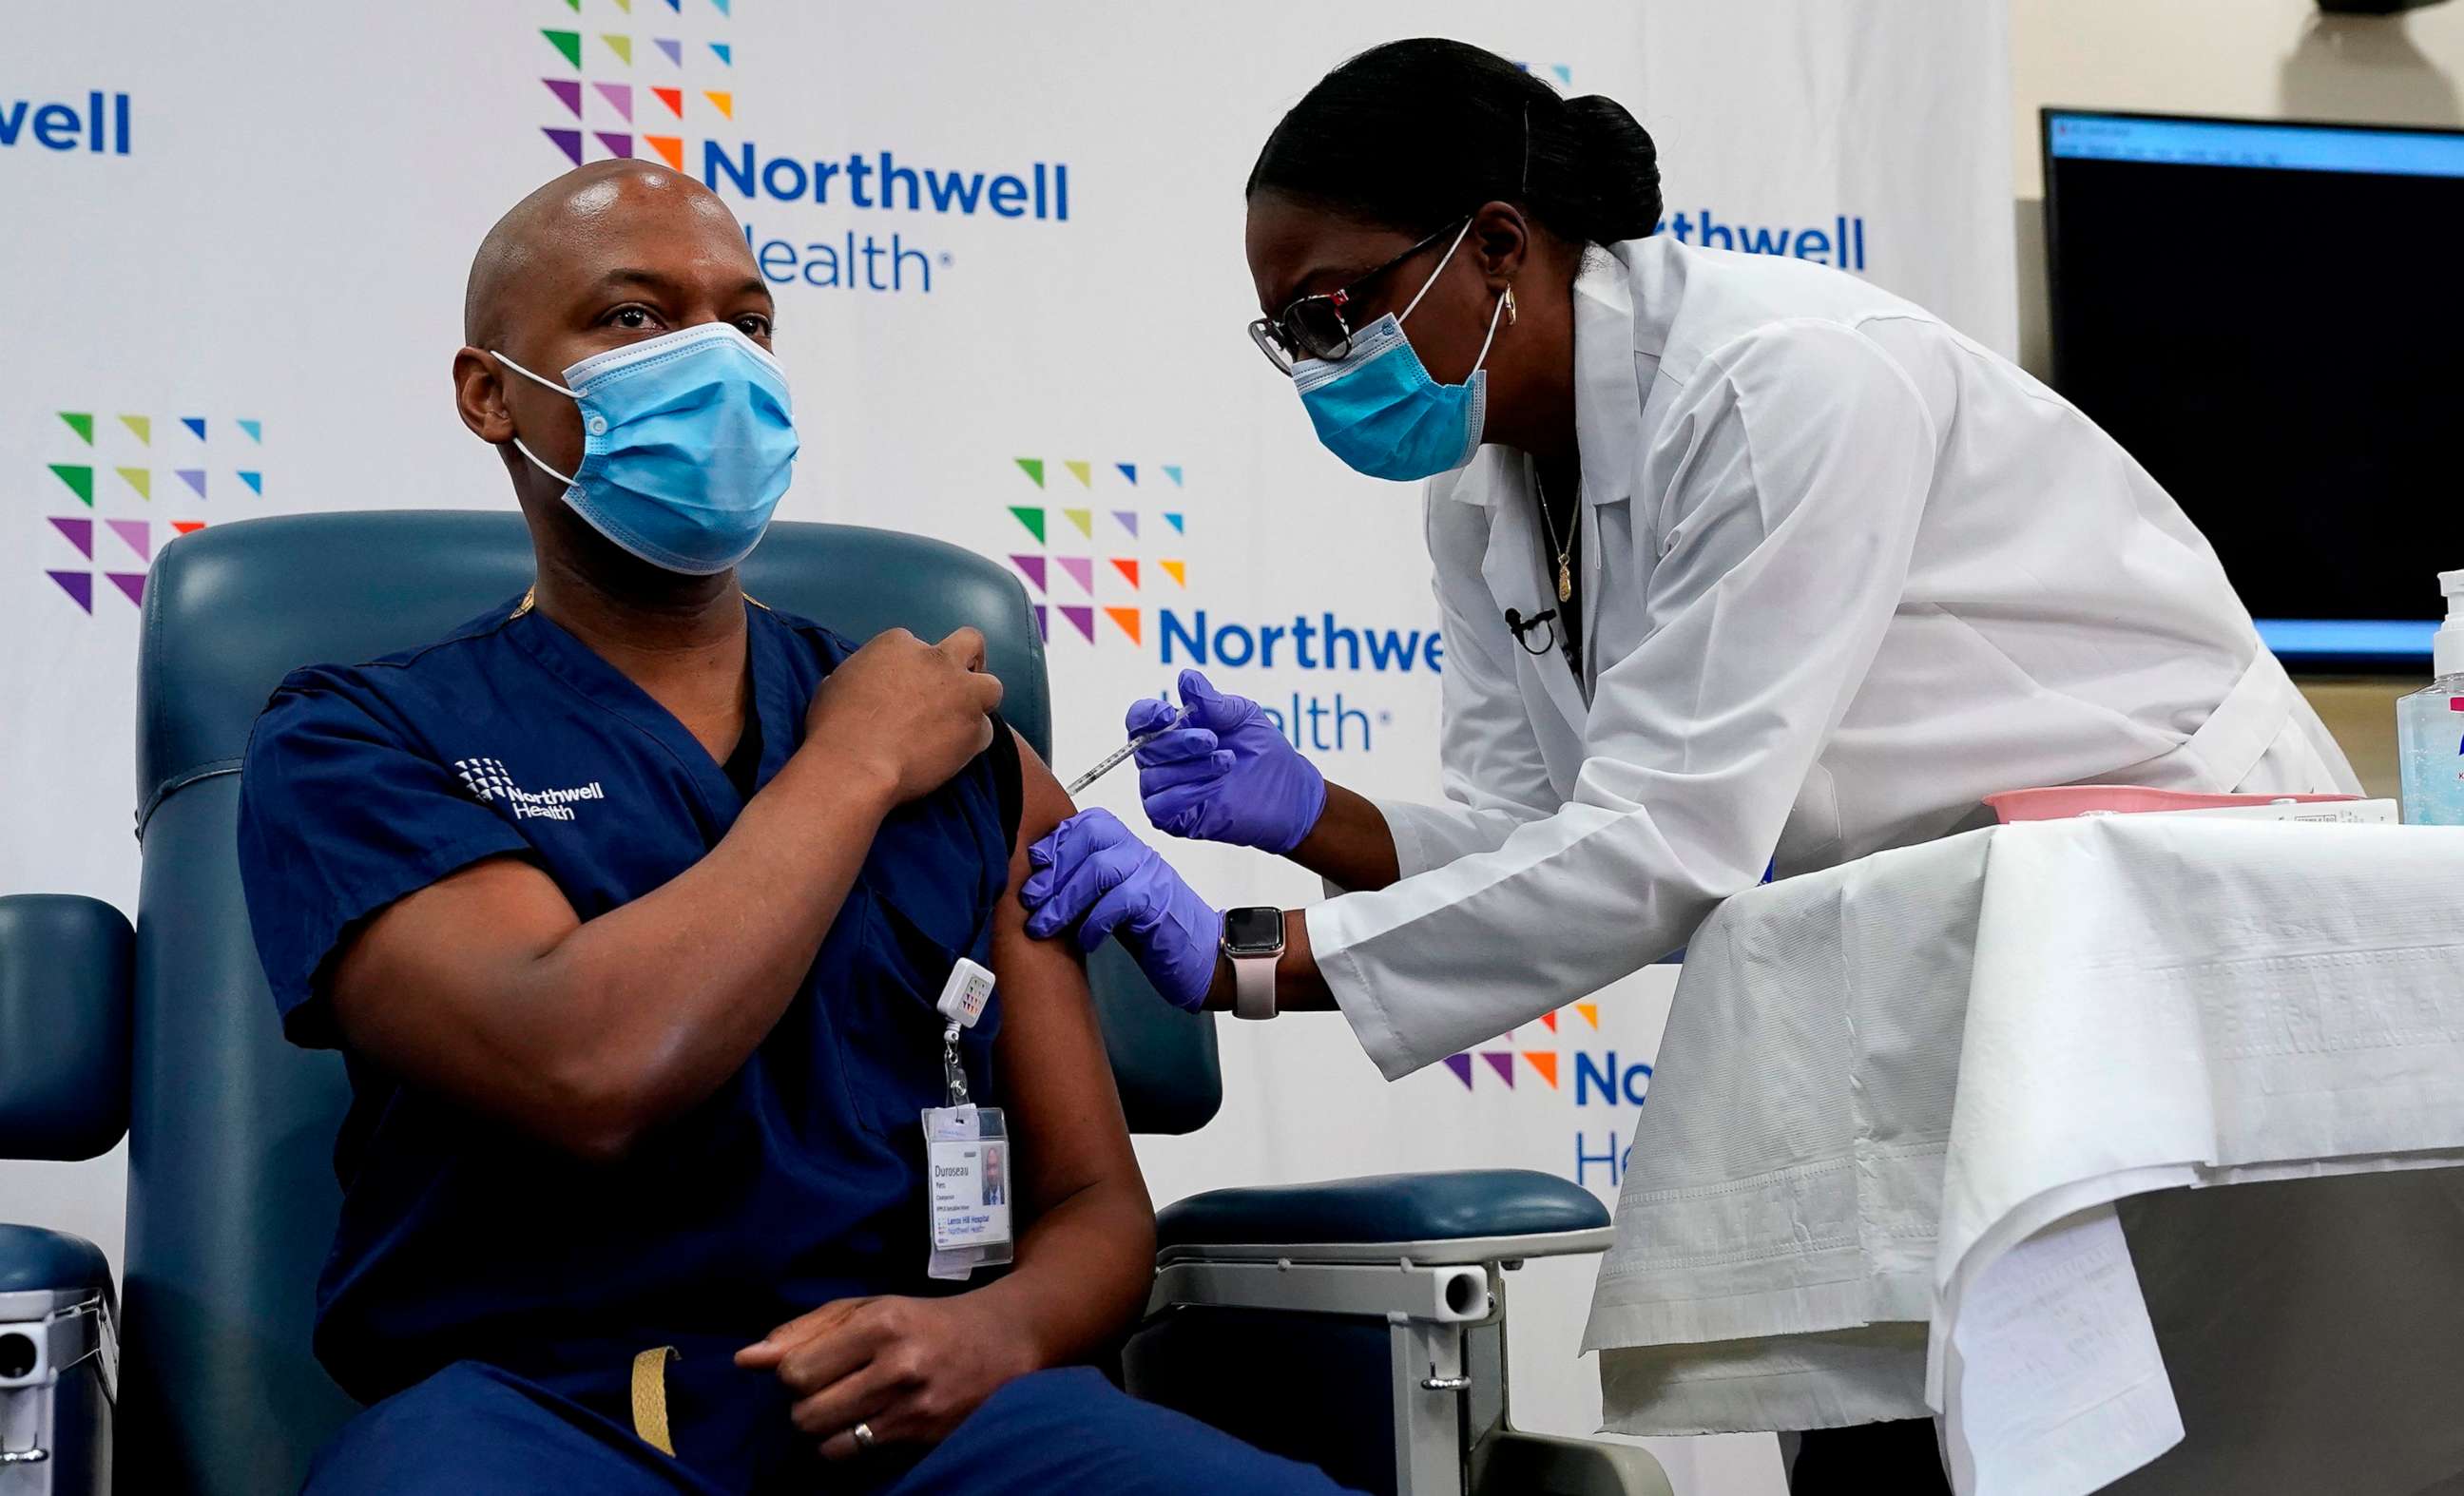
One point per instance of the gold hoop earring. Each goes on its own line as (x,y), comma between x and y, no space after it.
(1510,306)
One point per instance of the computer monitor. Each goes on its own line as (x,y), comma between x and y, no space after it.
(2269,317)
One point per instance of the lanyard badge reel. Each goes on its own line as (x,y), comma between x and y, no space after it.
(966,1147)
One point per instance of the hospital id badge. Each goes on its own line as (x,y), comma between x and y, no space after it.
(967,1163)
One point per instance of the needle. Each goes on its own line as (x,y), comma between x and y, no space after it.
(1114,759)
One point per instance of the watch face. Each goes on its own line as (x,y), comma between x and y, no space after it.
(1253,931)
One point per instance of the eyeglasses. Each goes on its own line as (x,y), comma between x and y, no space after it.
(1313,327)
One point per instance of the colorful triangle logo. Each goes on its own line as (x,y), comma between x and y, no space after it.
(187,526)
(1461,1064)
(1176,570)
(619,144)
(1128,519)
(1127,619)
(1591,1012)
(1180,525)
(626,5)
(1083,619)
(142,479)
(726,53)
(670,148)
(567,91)
(1083,472)
(79,533)
(256,429)
(78,584)
(672,98)
(1501,1061)
(568,43)
(621,46)
(1172,471)
(1033,467)
(80,422)
(1031,567)
(725,6)
(1128,470)
(1127,566)
(568,142)
(721,101)
(137,535)
(674,49)
(620,96)
(194,477)
(196,425)
(1544,1061)
(1080,569)
(80,481)
(1031,518)
(255,482)
(142,425)
(1084,519)
(131,582)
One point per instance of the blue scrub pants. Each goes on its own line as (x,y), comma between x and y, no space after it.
(476,1430)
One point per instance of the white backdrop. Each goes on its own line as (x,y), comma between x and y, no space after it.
(234,240)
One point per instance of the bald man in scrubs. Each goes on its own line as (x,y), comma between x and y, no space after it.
(628,904)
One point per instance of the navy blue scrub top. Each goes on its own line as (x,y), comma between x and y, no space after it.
(800,1180)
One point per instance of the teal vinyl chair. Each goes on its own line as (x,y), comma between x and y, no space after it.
(167,1033)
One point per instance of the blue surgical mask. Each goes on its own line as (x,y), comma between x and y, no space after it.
(688,443)
(1379,409)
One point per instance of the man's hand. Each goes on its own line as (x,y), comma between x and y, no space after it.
(909,1370)
(914,712)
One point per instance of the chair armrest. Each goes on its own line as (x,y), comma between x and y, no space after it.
(67,968)
(1469,1216)
(57,1309)
(37,1261)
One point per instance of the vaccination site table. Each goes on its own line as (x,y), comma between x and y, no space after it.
(1938,1132)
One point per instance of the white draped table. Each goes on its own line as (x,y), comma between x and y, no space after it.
(1936,1132)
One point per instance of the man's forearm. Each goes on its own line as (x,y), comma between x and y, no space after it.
(660,1000)
(1350,846)
(1084,1269)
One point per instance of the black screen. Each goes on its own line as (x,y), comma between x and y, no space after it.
(2278,341)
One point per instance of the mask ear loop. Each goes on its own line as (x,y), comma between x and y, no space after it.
(1494,314)
(519,444)
(1492,331)
(1435,273)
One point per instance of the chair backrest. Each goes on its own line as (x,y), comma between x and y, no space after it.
(232,1192)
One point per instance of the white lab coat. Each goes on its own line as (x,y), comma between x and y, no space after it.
(1845,573)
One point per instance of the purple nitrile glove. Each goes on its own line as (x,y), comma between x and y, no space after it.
(1092,872)
(1226,774)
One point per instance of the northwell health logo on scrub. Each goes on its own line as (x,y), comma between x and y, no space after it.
(663,88)
(487,781)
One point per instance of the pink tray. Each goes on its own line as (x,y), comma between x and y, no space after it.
(2079,800)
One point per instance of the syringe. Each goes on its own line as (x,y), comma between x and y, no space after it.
(1118,755)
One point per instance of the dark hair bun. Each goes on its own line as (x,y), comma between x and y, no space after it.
(1414,134)
(1618,159)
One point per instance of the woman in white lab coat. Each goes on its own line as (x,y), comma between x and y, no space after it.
(1742,564)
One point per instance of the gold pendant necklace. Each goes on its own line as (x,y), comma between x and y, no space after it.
(1565,552)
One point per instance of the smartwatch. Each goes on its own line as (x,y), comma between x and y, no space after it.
(1253,940)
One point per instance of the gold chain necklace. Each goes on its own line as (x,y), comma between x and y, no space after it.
(1573,533)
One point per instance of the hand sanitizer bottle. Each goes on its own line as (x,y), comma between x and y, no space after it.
(2430,724)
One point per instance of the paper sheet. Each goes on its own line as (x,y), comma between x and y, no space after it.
(2054,1384)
